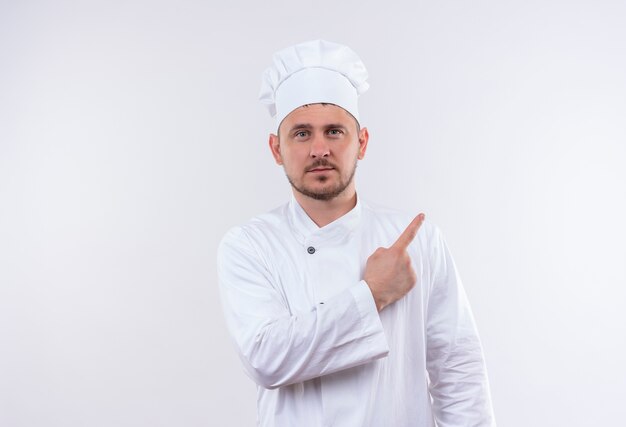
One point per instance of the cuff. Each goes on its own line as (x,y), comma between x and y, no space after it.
(372,326)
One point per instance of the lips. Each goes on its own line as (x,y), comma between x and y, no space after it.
(321,166)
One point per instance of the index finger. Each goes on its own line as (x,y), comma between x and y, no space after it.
(409,233)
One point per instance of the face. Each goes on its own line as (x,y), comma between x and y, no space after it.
(318,145)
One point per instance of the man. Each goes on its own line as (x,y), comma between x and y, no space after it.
(344,313)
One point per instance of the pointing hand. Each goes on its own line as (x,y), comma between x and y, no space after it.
(388,271)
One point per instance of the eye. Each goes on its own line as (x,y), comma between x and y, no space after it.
(335,131)
(301,134)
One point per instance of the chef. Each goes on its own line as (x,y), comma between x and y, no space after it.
(344,313)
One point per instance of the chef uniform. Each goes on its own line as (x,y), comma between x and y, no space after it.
(304,321)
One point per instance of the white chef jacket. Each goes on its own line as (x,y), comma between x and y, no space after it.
(307,330)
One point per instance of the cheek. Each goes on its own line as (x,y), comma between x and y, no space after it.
(291,164)
(294,156)
(350,154)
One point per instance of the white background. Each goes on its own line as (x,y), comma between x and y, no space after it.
(131,139)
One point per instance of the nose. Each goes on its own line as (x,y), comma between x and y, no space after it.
(319,147)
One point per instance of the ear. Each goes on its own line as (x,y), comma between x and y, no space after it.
(364,136)
(274,144)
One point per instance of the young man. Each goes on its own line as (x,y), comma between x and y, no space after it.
(345,313)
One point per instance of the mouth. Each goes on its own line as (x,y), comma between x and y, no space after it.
(320,169)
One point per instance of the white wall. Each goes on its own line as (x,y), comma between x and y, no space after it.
(131,140)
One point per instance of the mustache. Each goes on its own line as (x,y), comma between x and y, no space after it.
(321,163)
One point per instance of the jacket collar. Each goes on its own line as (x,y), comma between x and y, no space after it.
(306,231)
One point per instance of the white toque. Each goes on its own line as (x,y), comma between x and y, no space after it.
(313,72)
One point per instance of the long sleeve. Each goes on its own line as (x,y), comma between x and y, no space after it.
(458,377)
(280,347)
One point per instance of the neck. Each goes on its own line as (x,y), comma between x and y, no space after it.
(323,212)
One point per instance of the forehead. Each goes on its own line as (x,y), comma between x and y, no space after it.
(318,114)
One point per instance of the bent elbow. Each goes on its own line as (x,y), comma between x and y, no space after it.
(264,377)
(267,372)
(271,362)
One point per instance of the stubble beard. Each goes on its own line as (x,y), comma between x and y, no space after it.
(324,194)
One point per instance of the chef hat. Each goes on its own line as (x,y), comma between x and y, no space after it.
(313,72)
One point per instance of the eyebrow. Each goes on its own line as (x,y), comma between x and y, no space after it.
(300,126)
(308,126)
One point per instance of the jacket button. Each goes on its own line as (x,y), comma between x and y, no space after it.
(311,250)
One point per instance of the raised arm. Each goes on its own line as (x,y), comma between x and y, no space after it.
(279,347)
